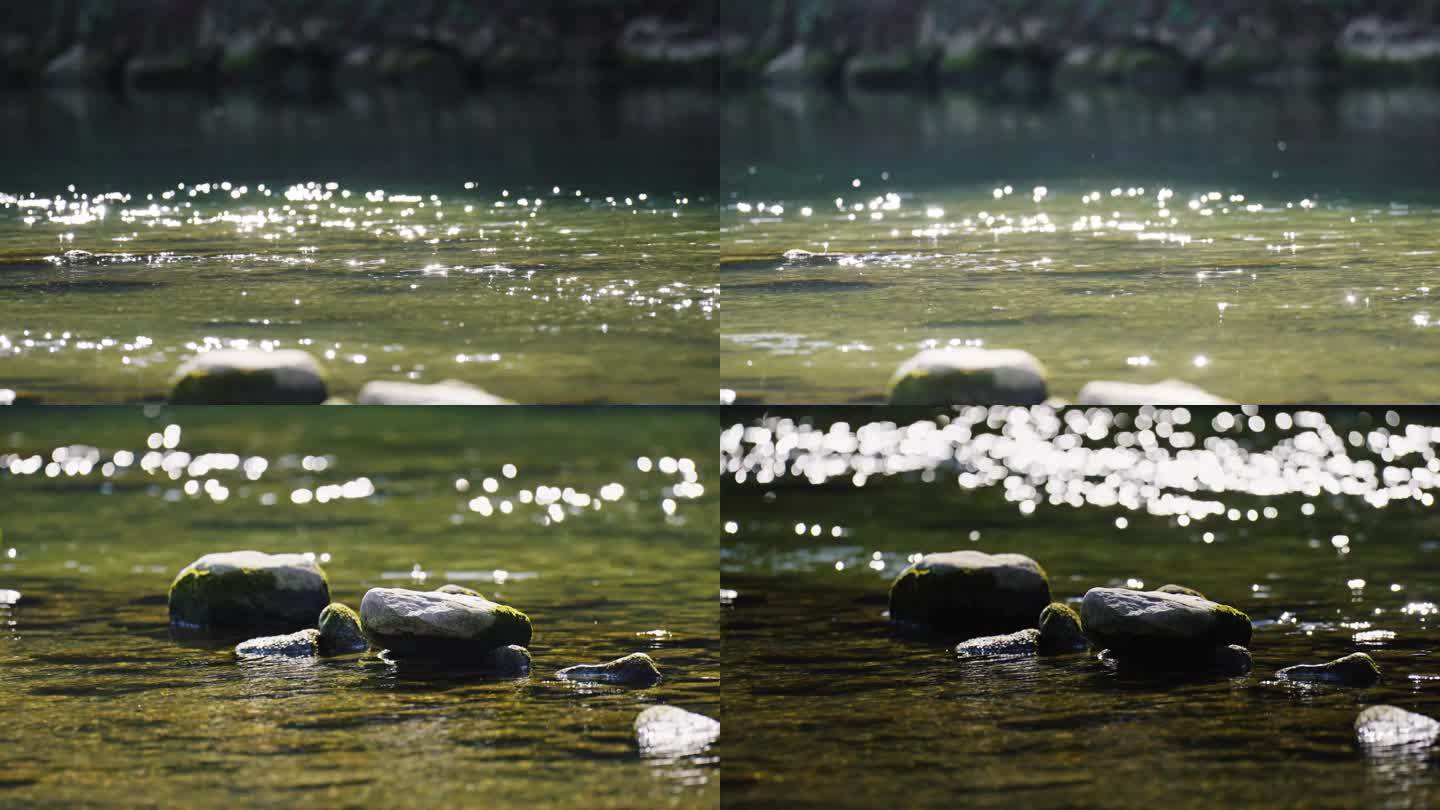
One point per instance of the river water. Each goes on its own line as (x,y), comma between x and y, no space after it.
(1267,246)
(100,512)
(1326,549)
(393,236)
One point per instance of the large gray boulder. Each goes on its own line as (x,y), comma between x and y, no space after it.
(970,376)
(249,377)
(446,392)
(1388,726)
(635,669)
(666,731)
(302,644)
(431,624)
(249,589)
(970,593)
(1356,669)
(1152,624)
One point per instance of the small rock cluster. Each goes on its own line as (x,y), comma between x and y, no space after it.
(451,624)
(295,377)
(975,376)
(287,592)
(992,602)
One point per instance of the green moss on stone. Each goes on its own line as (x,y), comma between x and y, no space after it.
(340,631)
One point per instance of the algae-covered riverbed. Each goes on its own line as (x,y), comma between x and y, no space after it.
(1266,246)
(547,247)
(1319,525)
(599,524)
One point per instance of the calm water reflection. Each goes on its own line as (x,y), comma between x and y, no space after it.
(1114,235)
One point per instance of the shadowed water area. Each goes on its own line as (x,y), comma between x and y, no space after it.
(597,524)
(547,246)
(828,707)
(1268,246)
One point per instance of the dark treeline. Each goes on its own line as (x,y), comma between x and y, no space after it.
(1024,43)
(304,44)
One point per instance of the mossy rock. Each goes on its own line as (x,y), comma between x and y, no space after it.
(1060,630)
(340,631)
(430,624)
(249,377)
(1133,64)
(970,593)
(458,589)
(635,669)
(1147,624)
(1356,669)
(1180,589)
(510,661)
(249,589)
(969,376)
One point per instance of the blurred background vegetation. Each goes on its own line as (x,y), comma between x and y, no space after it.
(1166,42)
(304,43)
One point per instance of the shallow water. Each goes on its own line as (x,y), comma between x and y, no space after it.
(101,701)
(411,238)
(1269,247)
(827,708)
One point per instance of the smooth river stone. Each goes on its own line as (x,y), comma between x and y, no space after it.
(8,597)
(1356,669)
(969,376)
(439,625)
(1148,623)
(1020,643)
(666,731)
(249,377)
(1166,392)
(970,593)
(447,392)
(340,631)
(1386,726)
(1060,630)
(635,669)
(249,589)
(304,644)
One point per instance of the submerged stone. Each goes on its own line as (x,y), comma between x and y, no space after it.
(1060,630)
(1356,669)
(1151,624)
(1180,589)
(249,377)
(510,661)
(1229,661)
(666,731)
(969,376)
(302,644)
(447,392)
(1020,643)
(431,624)
(1166,392)
(635,669)
(249,588)
(459,589)
(1385,726)
(340,631)
(971,593)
